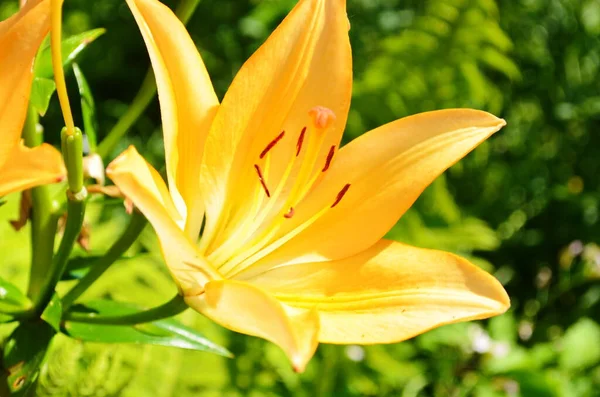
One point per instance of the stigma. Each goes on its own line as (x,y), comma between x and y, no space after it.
(322,117)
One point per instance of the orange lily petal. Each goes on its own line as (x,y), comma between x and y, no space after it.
(388,293)
(188,103)
(28,167)
(20,38)
(143,185)
(306,62)
(244,308)
(387,169)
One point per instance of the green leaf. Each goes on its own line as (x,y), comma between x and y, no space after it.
(580,348)
(165,332)
(12,299)
(53,313)
(24,353)
(88,108)
(41,92)
(71,48)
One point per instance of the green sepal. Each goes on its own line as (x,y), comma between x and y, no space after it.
(164,332)
(24,353)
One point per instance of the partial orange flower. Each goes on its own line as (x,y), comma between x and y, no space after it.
(291,247)
(20,37)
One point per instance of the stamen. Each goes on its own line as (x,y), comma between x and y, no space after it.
(290,213)
(300,140)
(322,117)
(329,158)
(271,144)
(262,180)
(340,195)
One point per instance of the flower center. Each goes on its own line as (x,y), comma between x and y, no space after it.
(273,205)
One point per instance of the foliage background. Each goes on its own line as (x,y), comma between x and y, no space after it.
(524,205)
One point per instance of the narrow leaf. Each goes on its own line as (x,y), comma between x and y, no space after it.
(165,332)
(88,108)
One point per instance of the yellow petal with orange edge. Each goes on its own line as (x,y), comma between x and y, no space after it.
(143,185)
(387,169)
(389,293)
(188,103)
(28,167)
(20,38)
(244,308)
(305,63)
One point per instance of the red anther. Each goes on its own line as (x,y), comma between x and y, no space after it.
(271,144)
(300,140)
(340,195)
(290,213)
(329,158)
(262,180)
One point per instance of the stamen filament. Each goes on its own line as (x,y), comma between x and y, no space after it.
(243,262)
(262,239)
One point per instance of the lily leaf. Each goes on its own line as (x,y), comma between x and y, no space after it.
(41,92)
(88,108)
(11,298)
(24,353)
(165,332)
(71,48)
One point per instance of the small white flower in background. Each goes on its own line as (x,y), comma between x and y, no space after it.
(355,353)
(482,343)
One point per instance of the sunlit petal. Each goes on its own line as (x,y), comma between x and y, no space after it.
(28,167)
(306,62)
(20,38)
(388,293)
(142,184)
(188,103)
(244,308)
(386,170)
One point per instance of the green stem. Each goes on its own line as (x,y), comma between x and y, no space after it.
(44,218)
(75,214)
(146,93)
(168,309)
(135,227)
(72,150)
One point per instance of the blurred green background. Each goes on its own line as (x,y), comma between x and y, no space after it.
(524,205)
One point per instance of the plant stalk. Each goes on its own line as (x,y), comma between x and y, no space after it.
(135,227)
(44,217)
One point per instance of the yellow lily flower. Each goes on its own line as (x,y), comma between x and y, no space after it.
(20,37)
(291,248)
